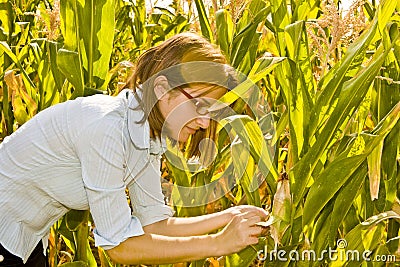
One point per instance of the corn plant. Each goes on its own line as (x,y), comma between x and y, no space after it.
(323,158)
(329,148)
(332,135)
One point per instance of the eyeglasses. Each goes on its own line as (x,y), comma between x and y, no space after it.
(201,108)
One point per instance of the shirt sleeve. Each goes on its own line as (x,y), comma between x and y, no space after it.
(101,154)
(146,194)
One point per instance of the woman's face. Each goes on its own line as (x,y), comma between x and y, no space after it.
(182,116)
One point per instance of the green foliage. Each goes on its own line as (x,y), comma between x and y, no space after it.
(84,58)
(334,128)
(320,148)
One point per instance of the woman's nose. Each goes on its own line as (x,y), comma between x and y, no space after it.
(203,121)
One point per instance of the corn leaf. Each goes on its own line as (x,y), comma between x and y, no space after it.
(296,80)
(250,134)
(340,170)
(385,11)
(280,19)
(83,23)
(262,67)
(305,10)
(71,67)
(351,96)
(245,257)
(344,200)
(244,169)
(245,37)
(363,237)
(204,22)
(225,29)
(4,47)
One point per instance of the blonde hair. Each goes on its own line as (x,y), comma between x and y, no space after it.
(181,48)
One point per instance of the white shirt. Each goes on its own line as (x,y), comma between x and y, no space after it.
(80,154)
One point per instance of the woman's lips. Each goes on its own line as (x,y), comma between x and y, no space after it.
(190,130)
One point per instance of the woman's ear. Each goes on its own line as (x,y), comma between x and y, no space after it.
(161,86)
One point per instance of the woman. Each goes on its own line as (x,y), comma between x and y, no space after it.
(84,153)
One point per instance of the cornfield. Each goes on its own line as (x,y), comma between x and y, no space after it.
(320,151)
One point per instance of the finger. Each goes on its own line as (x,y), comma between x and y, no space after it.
(253,240)
(253,220)
(247,215)
(237,219)
(250,214)
(262,212)
(255,231)
(249,209)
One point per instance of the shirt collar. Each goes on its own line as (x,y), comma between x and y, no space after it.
(140,132)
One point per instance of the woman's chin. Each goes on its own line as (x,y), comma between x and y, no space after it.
(183,136)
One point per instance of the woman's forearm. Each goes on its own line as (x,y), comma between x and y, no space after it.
(198,225)
(202,224)
(150,248)
(158,249)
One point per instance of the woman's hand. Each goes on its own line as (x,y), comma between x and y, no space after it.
(253,210)
(240,232)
